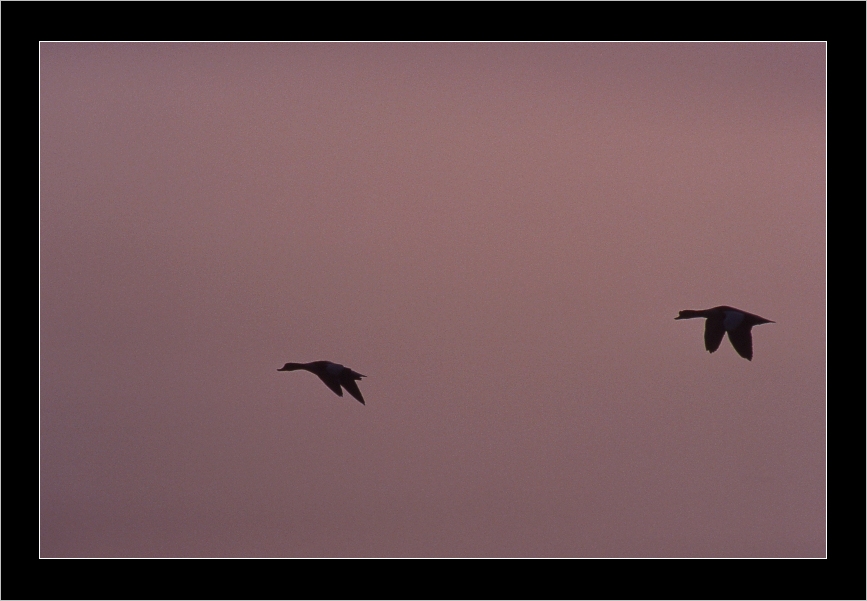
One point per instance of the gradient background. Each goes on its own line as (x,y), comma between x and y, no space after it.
(498,235)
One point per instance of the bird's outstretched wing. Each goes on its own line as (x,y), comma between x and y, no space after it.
(352,388)
(335,386)
(713,333)
(742,340)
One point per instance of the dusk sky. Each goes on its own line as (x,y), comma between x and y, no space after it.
(499,236)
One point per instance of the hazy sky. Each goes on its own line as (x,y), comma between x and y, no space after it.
(498,235)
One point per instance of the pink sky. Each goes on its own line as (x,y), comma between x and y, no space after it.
(498,235)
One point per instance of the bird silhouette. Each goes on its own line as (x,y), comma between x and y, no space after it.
(727,319)
(333,374)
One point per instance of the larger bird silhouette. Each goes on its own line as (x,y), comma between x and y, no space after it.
(333,374)
(727,319)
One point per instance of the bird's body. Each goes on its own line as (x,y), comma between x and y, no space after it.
(333,374)
(727,319)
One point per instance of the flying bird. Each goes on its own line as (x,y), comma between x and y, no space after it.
(333,374)
(727,319)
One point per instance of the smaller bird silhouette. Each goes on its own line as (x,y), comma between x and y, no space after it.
(333,374)
(727,319)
